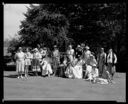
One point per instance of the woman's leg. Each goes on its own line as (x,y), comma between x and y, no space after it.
(26,70)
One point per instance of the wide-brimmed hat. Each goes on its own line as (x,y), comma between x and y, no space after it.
(55,46)
(78,46)
(20,48)
(70,45)
(45,48)
(35,50)
(87,47)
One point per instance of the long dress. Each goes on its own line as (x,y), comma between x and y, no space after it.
(91,70)
(55,60)
(101,62)
(75,71)
(36,62)
(19,61)
(46,67)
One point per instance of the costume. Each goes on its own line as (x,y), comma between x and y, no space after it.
(74,70)
(56,60)
(36,61)
(46,67)
(70,54)
(101,59)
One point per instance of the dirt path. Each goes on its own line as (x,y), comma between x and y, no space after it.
(55,88)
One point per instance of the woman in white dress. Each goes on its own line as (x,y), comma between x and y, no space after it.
(91,70)
(74,70)
(46,67)
(20,56)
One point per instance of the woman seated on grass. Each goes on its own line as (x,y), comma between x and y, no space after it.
(74,69)
(92,71)
(46,66)
(105,79)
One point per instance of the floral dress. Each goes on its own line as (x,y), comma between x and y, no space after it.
(36,61)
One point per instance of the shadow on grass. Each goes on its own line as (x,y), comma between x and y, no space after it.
(16,75)
(11,76)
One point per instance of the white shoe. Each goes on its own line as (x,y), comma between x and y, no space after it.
(18,77)
(22,77)
(26,76)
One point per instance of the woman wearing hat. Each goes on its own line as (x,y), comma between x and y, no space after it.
(78,51)
(36,61)
(70,53)
(91,69)
(101,59)
(20,56)
(86,53)
(56,59)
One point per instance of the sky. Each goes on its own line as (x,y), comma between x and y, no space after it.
(13,14)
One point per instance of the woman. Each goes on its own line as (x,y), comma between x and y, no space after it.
(43,52)
(46,67)
(56,59)
(70,53)
(101,59)
(92,71)
(74,70)
(28,58)
(20,56)
(36,61)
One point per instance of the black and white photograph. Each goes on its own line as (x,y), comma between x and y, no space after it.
(64,51)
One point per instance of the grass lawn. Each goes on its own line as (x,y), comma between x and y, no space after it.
(55,88)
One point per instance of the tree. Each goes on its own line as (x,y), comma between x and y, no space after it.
(43,26)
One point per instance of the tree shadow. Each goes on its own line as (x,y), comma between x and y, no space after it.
(16,75)
(11,76)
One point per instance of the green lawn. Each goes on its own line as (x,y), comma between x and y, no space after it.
(55,88)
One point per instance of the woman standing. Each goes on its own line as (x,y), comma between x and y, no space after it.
(101,59)
(28,57)
(70,53)
(36,61)
(20,56)
(46,67)
(56,59)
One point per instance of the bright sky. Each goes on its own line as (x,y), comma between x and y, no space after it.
(13,14)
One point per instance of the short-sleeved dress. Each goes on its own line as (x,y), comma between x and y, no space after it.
(28,57)
(20,61)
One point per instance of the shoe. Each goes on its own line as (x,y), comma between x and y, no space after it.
(22,77)
(18,77)
(26,76)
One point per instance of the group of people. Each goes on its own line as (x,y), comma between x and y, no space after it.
(78,63)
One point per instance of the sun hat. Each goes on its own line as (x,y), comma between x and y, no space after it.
(87,47)
(20,48)
(35,49)
(55,46)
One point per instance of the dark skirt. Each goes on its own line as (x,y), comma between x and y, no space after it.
(35,62)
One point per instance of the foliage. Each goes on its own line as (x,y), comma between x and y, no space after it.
(98,25)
